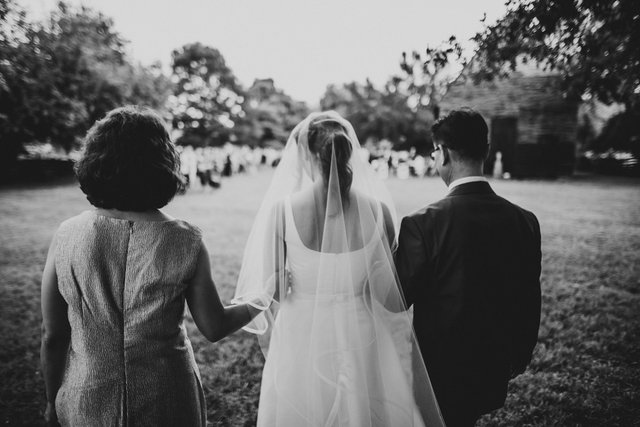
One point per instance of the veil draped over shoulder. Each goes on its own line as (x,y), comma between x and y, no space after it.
(319,263)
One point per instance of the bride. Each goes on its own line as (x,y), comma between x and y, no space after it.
(339,346)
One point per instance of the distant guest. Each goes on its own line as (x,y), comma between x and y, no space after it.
(114,347)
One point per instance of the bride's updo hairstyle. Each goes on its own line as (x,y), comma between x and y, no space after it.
(327,135)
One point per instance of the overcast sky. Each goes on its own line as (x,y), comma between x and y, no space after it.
(304,45)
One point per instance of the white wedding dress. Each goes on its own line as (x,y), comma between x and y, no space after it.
(339,345)
(353,383)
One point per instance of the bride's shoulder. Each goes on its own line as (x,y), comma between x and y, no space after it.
(302,199)
(368,201)
(276,210)
(376,207)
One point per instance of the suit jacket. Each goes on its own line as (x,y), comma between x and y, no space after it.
(470,265)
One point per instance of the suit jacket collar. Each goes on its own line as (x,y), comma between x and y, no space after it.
(478,187)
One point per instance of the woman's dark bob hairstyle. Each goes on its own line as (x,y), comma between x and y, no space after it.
(129,162)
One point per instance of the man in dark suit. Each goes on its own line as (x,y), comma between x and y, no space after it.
(470,266)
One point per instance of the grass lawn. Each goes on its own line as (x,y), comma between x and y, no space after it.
(586,367)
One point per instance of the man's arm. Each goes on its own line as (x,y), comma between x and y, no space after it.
(527,305)
(410,259)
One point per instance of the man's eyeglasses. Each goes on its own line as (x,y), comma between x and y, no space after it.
(433,152)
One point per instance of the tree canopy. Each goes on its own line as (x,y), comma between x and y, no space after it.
(207,99)
(594,44)
(380,114)
(404,109)
(58,76)
(271,114)
(426,77)
(210,106)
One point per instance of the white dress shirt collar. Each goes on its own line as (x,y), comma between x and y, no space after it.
(466,180)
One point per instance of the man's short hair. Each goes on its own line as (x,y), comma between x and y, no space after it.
(129,162)
(465,132)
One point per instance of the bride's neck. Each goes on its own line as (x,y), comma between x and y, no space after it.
(334,203)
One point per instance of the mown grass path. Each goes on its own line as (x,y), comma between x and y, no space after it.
(586,367)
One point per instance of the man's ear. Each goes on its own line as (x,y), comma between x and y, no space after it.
(446,155)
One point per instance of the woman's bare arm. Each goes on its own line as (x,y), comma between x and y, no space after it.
(56,333)
(278,251)
(213,319)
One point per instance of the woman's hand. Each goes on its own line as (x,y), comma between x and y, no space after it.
(50,416)
(213,319)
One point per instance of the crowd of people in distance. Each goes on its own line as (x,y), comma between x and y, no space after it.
(205,167)
(402,164)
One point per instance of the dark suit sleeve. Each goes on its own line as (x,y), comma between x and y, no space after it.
(527,304)
(411,259)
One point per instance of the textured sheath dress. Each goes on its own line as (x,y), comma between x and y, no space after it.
(130,362)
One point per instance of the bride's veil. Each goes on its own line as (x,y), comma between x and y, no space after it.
(339,221)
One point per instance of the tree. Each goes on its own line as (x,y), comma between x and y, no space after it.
(594,44)
(15,81)
(208,100)
(377,114)
(621,133)
(362,105)
(271,114)
(409,103)
(145,85)
(59,76)
(81,53)
(425,79)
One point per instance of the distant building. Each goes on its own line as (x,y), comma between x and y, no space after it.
(531,123)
